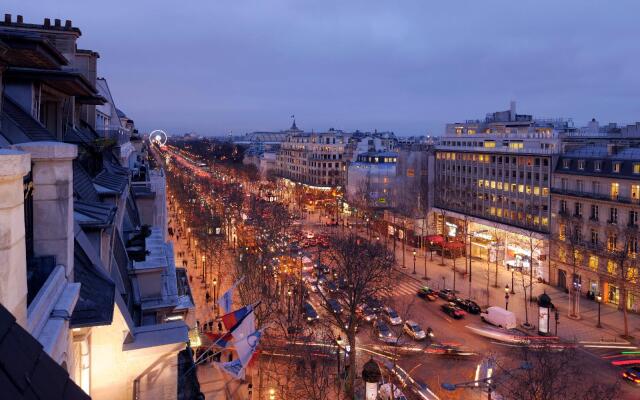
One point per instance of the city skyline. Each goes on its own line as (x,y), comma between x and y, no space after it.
(221,68)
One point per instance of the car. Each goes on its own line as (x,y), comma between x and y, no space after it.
(368,314)
(446,294)
(331,287)
(342,283)
(310,313)
(314,287)
(414,330)
(452,310)
(384,333)
(427,293)
(373,303)
(632,374)
(391,316)
(334,306)
(468,305)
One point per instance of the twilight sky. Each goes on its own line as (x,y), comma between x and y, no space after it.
(220,66)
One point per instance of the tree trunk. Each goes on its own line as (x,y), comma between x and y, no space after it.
(495,278)
(624,312)
(351,377)
(488,281)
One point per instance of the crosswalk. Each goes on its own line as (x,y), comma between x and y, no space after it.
(402,286)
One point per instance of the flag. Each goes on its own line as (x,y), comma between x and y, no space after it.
(230,320)
(226,300)
(245,348)
(241,330)
(293,116)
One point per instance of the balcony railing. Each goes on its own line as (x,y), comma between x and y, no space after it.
(596,196)
(120,136)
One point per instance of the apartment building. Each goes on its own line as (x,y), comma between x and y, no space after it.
(595,209)
(493,178)
(314,159)
(371,179)
(87,274)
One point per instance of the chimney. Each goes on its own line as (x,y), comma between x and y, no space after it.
(19,20)
(47,22)
(57,22)
(67,24)
(512,110)
(7,18)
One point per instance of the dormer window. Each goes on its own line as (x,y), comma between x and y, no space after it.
(597,165)
(566,163)
(581,165)
(616,167)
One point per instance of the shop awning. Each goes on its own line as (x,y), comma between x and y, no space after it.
(453,245)
(435,239)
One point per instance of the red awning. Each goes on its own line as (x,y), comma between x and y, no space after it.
(453,245)
(435,239)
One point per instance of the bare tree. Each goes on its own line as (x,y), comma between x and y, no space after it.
(364,266)
(549,374)
(626,273)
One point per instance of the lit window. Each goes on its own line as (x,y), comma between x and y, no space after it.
(521,188)
(615,187)
(471,131)
(545,221)
(490,143)
(636,168)
(635,192)
(612,267)
(593,262)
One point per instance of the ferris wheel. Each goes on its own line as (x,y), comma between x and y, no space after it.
(158,136)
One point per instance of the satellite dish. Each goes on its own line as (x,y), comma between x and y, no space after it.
(158,136)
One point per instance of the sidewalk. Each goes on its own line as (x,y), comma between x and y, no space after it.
(569,329)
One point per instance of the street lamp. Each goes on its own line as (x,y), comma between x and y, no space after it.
(506,297)
(599,300)
(414,262)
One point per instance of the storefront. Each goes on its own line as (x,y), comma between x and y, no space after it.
(511,247)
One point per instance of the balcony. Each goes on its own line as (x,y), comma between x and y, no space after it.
(612,221)
(596,196)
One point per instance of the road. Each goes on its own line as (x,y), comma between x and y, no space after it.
(437,369)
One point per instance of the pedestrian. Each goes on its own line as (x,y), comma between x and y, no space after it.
(220,326)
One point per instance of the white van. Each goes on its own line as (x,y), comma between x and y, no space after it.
(500,317)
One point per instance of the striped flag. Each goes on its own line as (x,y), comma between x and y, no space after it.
(230,320)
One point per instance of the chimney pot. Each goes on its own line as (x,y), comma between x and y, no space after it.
(47,22)
(57,22)
(67,24)
(19,20)
(7,18)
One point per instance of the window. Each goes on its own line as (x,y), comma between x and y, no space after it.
(594,237)
(633,218)
(562,230)
(616,167)
(633,247)
(563,206)
(578,209)
(581,164)
(593,262)
(564,183)
(615,188)
(594,212)
(635,192)
(595,187)
(612,267)
(566,163)
(612,242)
(580,185)
(490,143)
(597,165)
(613,215)
(636,168)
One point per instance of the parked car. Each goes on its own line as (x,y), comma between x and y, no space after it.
(499,317)
(427,293)
(391,316)
(309,312)
(447,294)
(468,305)
(452,310)
(384,333)
(632,374)
(334,306)
(414,330)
